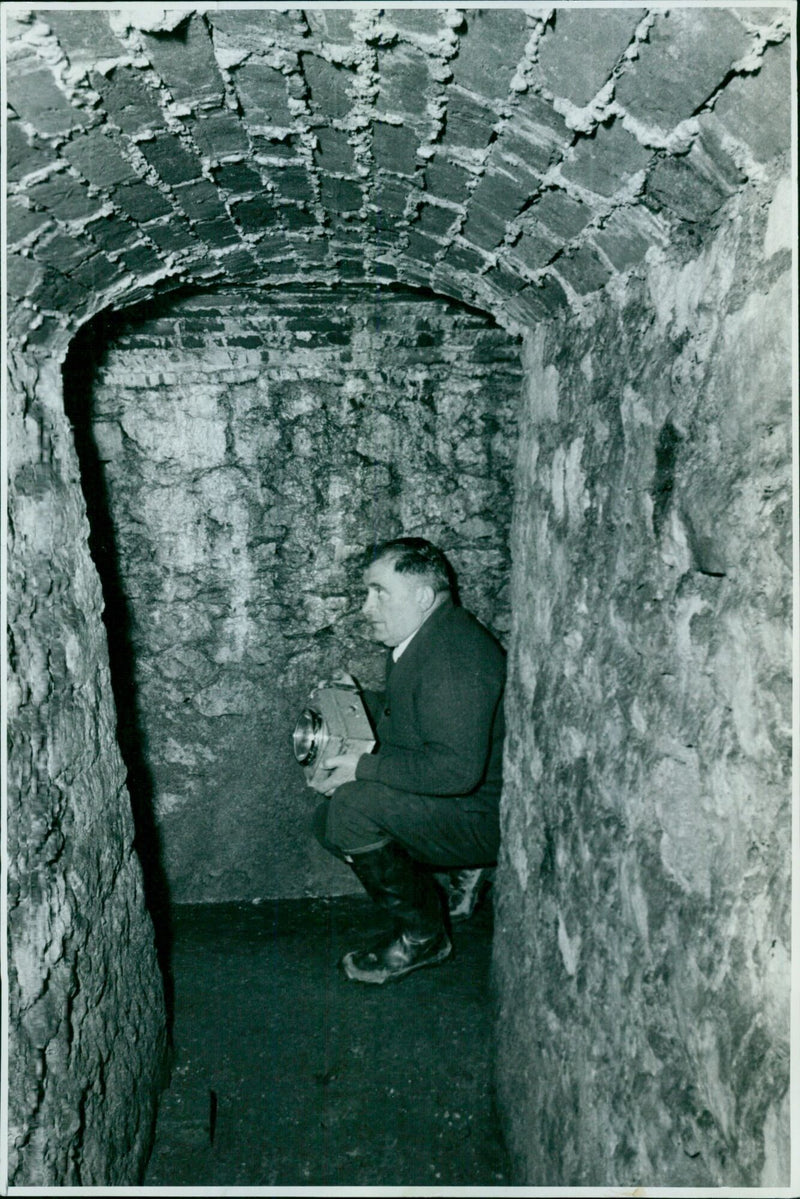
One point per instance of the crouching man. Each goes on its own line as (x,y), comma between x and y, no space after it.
(427,797)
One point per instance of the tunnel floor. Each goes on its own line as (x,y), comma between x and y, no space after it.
(287,1074)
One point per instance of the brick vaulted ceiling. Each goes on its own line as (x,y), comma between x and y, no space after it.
(517,159)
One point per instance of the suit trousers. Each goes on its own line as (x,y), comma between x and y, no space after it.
(442,831)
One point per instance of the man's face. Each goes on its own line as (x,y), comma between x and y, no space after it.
(394,604)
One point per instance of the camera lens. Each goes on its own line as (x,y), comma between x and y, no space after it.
(307,736)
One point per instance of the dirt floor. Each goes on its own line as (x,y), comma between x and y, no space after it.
(287,1074)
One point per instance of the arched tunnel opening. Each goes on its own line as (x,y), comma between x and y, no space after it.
(239,450)
(519,280)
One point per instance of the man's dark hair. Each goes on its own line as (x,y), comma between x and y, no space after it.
(416,556)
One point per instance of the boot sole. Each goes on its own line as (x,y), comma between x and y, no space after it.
(365,976)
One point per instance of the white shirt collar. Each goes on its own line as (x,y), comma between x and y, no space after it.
(399,649)
(403,646)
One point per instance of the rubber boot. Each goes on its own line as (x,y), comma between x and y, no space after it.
(464,890)
(394,882)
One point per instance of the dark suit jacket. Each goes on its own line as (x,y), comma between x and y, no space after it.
(440,722)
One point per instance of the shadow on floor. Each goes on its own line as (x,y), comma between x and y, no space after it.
(286,1074)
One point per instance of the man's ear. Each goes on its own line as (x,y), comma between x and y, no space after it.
(426,596)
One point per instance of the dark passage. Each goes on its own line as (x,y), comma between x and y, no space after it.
(286,1074)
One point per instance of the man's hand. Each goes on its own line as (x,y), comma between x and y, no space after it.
(342,770)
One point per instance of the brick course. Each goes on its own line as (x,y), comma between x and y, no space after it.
(328,85)
(394,148)
(488,55)
(757,109)
(129,103)
(577,56)
(169,158)
(685,59)
(35,97)
(187,65)
(605,162)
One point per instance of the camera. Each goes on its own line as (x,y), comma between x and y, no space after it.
(334,721)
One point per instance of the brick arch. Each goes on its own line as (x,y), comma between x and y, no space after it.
(512,160)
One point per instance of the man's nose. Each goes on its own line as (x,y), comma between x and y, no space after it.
(366,607)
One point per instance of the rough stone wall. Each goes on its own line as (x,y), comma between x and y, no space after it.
(642,946)
(252,445)
(86,1006)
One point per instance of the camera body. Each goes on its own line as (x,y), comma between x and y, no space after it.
(334,721)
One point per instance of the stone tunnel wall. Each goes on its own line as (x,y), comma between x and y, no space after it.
(642,902)
(86,1003)
(251,446)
